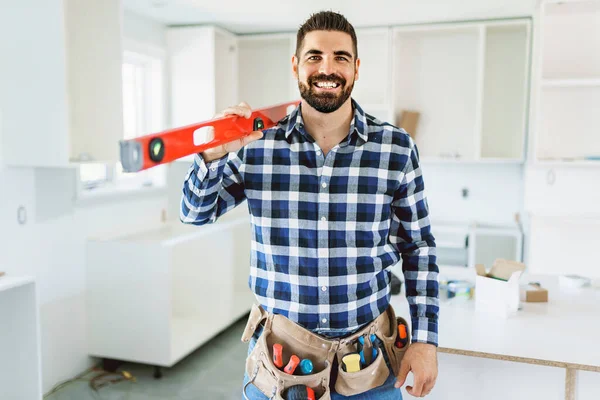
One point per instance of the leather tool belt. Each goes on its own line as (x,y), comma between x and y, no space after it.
(274,382)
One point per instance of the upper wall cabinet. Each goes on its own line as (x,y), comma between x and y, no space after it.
(372,89)
(203,73)
(265,73)
(469,84)
(61,81)
(566,89)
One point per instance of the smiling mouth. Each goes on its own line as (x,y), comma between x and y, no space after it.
(326,85)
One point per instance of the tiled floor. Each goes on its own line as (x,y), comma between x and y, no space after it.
(215,371)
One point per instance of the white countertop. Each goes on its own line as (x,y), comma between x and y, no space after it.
(564,330)
(8,282)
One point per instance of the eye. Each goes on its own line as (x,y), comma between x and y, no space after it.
(342,58)
(314,58)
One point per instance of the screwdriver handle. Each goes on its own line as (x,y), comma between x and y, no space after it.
(278,355)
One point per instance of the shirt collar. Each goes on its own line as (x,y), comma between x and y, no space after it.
(358,125)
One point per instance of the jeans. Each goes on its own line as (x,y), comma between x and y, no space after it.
(387,391)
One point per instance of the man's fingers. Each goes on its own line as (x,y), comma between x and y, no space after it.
(251,138)
(237,110)
(427,388)
(402,374)
(417,388)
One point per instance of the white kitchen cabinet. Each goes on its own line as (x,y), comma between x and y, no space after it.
(471,99)
(372,89)
(566,87)
(562,178)
(20,360)
(265,69)
(155,296)
(61,81)
(203,73)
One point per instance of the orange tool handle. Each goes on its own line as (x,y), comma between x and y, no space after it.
(163,147)
(291,366)
(402,336)
(278,355)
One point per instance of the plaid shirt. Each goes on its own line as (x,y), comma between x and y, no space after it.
(325,228)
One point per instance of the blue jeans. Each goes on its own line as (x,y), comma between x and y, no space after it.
(387,391)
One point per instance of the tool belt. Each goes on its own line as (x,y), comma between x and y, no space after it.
(301,342)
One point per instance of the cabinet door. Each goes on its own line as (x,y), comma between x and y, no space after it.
(226,74)
(192,73)
(265,69)
(372,89)
(94,82)
(61,82)
(562,191)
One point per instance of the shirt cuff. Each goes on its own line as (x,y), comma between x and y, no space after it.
(210,169)
(425,330)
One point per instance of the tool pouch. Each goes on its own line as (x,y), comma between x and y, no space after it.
(299,341)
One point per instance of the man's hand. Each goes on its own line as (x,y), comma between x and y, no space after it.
(242,110)
(421,359)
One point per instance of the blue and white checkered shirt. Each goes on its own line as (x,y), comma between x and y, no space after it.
(325,228)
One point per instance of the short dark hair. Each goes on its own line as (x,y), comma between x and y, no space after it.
(326,21)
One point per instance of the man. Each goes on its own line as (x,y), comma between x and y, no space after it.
(336,198)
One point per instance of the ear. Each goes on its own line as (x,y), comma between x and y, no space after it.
(295,66)
(357,66)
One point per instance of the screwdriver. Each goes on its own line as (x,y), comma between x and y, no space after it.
(278,355)
(402,336)
(291,366)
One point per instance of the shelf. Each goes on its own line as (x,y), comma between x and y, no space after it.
(569,83)
(565,163)
(448,160)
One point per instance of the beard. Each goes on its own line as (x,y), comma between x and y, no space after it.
(325,102)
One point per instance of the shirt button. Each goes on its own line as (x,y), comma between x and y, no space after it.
(324,184)
(324,288)
(318,152)
(323,219)
(324,320)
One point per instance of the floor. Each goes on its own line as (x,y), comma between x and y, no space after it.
(215,371)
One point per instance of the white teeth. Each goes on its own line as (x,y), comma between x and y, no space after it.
(327,84)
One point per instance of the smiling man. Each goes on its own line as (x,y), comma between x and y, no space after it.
(336,198)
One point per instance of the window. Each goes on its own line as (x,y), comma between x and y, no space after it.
(143,75)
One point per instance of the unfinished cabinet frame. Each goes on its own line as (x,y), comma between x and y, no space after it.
(487,64)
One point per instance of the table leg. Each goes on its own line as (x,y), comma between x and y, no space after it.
(571,384)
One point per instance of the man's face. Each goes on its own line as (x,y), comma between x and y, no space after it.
(326,69)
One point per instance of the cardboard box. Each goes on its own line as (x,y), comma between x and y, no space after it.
(497,291)
(409,121)
(534,293)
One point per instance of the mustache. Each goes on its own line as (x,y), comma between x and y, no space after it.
(327,78)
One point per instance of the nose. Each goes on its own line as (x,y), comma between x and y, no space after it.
(326,66)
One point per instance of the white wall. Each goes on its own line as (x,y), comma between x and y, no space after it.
(51,244)
(495,192)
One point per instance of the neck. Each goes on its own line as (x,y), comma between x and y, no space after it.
(328,129)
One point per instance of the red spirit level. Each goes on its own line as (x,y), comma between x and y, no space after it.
(159,148)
